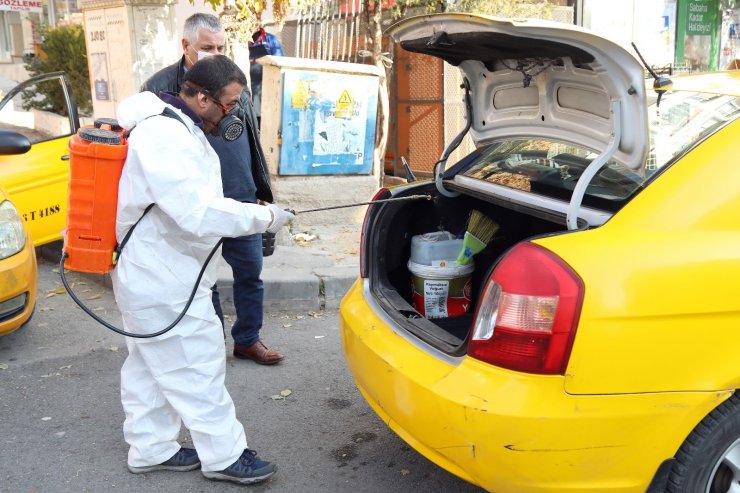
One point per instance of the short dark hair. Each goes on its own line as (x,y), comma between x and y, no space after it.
(212,74)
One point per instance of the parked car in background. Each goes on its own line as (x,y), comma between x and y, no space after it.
(18,278)
(600,349)
(34,174)
(37,181)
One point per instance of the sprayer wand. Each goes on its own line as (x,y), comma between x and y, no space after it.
(396,199)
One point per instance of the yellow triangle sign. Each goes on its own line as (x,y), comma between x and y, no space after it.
(344,105)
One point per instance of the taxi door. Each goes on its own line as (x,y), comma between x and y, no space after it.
(42,109)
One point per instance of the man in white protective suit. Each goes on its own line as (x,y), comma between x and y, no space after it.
(178,377)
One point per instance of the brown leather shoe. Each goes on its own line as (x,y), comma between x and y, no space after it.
(259,353)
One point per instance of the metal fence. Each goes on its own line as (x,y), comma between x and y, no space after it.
(333,30)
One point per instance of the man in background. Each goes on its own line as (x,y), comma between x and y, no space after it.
(245,178)
(262,44)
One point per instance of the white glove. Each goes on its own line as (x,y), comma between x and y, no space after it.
(280,217)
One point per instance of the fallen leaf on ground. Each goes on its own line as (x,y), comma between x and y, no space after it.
(303,237)
(53,292)
(283,394)
(3,366)
(405,472)
(94,297)
(65,367)
(113,348)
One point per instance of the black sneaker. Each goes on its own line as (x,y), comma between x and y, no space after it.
(186,459)
(247,469)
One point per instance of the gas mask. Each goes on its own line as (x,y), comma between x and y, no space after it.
(231,125)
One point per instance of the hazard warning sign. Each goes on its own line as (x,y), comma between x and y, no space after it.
(345,105)
(299,97)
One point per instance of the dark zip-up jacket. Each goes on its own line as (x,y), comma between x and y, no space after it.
(170,79)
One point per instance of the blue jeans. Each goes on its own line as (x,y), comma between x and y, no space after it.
(244,255)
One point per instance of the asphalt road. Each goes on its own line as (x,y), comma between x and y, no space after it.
(60,413)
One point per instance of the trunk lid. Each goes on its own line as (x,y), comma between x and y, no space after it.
(537,78)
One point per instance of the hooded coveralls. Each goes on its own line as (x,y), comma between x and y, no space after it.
(177,377)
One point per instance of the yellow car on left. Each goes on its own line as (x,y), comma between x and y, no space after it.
(37,118)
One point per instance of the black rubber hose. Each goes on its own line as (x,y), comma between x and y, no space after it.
(130,334)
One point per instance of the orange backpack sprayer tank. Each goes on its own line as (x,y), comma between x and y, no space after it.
(97,156)
(96,161)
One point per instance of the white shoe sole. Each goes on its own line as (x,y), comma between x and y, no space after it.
(224,477)
(160,467)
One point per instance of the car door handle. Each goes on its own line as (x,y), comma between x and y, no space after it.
(65,157)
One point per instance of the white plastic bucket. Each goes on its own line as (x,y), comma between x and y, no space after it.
(438,248)
(439,292)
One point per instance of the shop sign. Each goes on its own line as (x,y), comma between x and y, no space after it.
(21,5)
(701,19)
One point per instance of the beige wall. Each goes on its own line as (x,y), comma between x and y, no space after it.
(126,43)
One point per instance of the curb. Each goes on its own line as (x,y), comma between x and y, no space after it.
(295,289)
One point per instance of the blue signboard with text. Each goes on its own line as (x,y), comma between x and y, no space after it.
(328,123)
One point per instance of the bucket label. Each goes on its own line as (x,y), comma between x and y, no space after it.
(435,298)
(441,297)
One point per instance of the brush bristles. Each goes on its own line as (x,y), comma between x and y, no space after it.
(481,226)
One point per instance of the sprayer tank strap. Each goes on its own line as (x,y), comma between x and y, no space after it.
(119,246)
(168,112)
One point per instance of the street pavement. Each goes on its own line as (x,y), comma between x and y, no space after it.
(61,415)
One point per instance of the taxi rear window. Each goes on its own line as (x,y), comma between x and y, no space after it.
(552,167)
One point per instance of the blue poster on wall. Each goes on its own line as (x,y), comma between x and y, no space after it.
(328,123)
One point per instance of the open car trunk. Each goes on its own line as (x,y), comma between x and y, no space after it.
(558,116)
(388,238)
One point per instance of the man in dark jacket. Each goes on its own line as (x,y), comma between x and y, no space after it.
(263,43)
(245,178)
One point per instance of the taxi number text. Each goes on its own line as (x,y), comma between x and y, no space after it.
(41,213)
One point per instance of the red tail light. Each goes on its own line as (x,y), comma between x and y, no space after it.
(528,314)
(363,262)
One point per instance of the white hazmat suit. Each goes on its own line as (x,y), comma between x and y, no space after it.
(177,377)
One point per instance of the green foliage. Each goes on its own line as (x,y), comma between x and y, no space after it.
(63,50)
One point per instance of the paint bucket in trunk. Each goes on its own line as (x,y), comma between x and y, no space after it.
(441,291)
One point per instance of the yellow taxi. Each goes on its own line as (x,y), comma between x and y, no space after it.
(17,268)
(596,347)
(37,118)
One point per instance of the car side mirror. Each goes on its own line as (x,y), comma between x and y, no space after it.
(13,143)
